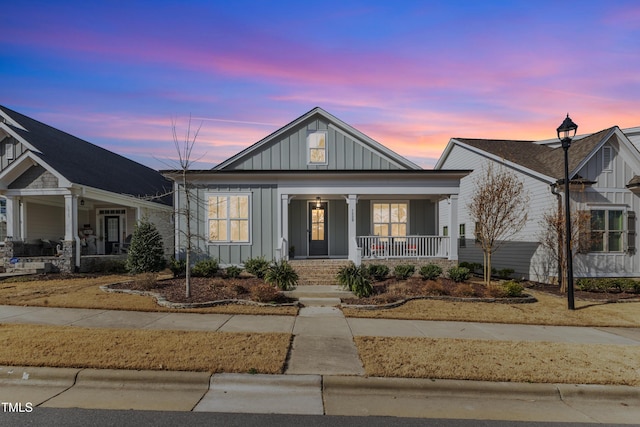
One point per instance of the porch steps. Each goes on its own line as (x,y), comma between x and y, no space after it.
(30,267)
(318,271)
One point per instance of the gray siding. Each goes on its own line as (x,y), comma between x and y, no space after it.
(263,225)
(338,228)
(298,226)
(289,152)
(422,218)
(36,177)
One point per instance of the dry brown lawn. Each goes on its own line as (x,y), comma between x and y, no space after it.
(549,310)
(67,346)
(499,360)
(86,293)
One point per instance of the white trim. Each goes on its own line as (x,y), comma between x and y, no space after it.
(624,231)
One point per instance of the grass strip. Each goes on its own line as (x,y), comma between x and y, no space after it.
(74,347)
(488,360)
(549,310)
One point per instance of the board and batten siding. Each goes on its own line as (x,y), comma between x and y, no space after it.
(10,149)
(522,253)
(608,189)
(289,152)
(263,224)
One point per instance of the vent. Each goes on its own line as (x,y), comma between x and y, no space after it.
(607,154)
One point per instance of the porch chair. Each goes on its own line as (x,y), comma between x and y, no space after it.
(124,248)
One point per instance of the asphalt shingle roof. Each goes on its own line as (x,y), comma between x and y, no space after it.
(84,163)
(540,158)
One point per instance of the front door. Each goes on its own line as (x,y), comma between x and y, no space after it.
(318,226)
(112,233)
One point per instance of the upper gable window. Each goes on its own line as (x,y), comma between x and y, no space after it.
(9,149)
(607,156)
(317,147)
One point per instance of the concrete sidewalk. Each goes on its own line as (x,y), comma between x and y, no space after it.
(324,373)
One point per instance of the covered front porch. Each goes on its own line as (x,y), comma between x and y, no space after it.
(61,227)
(390,220)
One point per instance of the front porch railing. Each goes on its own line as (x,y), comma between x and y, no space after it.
(404,247)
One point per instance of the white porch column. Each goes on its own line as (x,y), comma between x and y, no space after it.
(13,218)
(453,227)
(352,201)
(70,216)
(283,252)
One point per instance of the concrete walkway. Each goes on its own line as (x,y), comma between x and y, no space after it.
(324,374)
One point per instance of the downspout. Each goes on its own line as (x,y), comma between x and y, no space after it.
(554,191)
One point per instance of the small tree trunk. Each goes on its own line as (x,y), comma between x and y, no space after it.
(188,224)
(488,277)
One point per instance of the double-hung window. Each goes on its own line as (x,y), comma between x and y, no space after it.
(229,218)
(390,219)
(607,230)
(317,147)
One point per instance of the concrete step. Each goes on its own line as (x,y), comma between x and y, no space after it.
(30,267)
(319,292)
(318,272)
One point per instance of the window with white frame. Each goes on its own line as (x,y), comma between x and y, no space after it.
(228,218)
(390,218)
(317,147)
(607,230)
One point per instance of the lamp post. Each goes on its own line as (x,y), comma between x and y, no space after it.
(566,132)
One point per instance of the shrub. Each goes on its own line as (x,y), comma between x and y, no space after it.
(587,285)
(430,272)
(178,267)
(146,252)
(465,264)
(356,279)
(505,273)
(476,267)
(264,293)
(110,266)
(404,271)
(145,281)
(233,271)
(281,275)
(205,268)
(257,266)
(379,272)
(512,289)
(463,290)
(458,274)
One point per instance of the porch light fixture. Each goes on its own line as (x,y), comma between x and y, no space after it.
(318,201)
(566,132)
(81,202)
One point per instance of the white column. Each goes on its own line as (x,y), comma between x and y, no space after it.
(453,227)
(13,218)
(352,201)
(70,216)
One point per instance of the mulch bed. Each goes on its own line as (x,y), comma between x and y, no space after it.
(203,289)
(393,290)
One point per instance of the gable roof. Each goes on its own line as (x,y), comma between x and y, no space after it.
(84,163)
(541,159)
(371,144)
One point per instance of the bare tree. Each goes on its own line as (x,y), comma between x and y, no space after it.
(184,149)
(552,238)
(499,208)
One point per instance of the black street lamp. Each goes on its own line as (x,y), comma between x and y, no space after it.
(566,132)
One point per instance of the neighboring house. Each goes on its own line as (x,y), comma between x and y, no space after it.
(604,172)
(318,188)
(65,197)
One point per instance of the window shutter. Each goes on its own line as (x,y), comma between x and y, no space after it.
(631,232)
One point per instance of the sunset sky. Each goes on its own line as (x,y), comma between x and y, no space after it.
(409,74)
